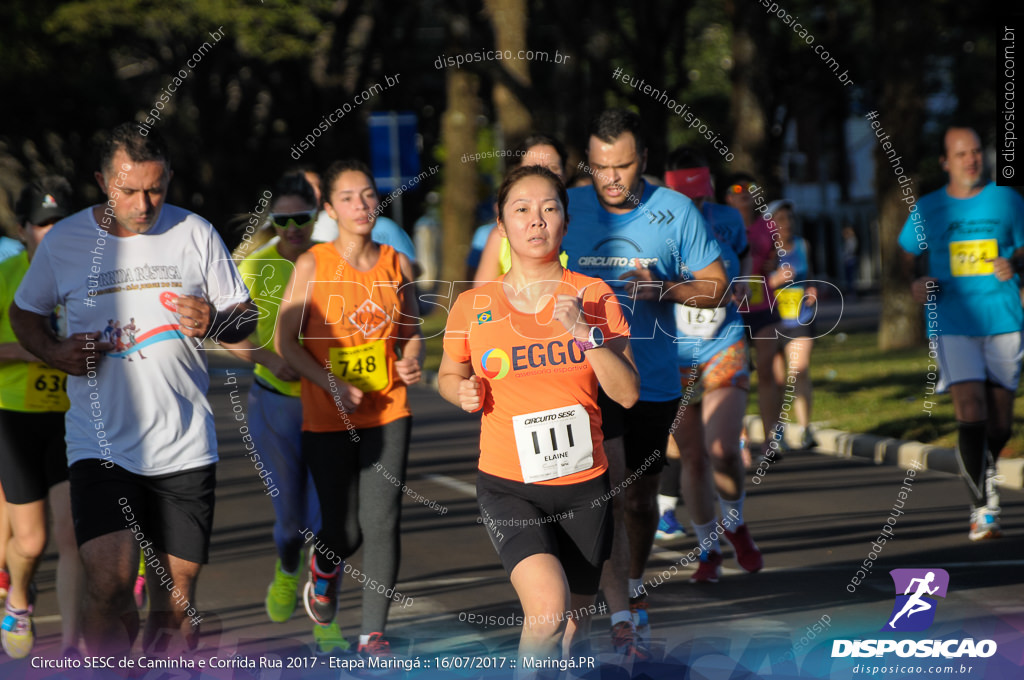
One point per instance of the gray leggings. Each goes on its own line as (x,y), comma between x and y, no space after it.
(360,505)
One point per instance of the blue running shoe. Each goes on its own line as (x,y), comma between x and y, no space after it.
(669,527)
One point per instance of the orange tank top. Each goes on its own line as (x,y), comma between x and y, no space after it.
(351,325)
(541,422)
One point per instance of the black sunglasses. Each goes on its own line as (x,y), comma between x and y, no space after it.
(299,219)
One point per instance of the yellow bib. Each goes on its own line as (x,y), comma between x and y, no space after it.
(363,366)
(973,258)
(46,388)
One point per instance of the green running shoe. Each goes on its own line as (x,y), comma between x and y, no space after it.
(282,595)
(17,632)
(329,639)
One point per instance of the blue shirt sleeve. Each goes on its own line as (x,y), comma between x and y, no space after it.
(388,232)
(908,239)
(697,248)
(9,247)
(476,247)
(1018,220)
(740,240)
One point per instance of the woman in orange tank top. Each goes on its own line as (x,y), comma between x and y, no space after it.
(349,327)
(530,351)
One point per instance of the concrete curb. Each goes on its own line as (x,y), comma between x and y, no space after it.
(888,451)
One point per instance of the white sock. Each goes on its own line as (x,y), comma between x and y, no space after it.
(364,639)
(704,531)
(636,587)
(732,512)
(624,615)
(666,503)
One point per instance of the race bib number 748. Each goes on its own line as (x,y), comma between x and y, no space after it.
(364,366)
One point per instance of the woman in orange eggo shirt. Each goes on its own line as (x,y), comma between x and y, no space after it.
(348,325)
(530,350)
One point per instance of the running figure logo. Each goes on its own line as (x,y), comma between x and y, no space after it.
(915,611)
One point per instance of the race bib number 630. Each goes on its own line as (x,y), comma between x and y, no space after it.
(46,388)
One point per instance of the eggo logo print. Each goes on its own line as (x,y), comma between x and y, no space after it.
(492,357)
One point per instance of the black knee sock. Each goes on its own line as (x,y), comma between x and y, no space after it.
(996,442)
(973,459)
(670,478)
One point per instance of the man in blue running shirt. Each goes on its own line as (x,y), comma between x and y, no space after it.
(966,242)
(652,246)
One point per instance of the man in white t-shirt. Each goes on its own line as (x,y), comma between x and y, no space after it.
(141,442)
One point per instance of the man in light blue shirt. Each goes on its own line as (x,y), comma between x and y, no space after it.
(966,241)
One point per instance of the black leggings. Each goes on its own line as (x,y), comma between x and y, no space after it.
(359,503)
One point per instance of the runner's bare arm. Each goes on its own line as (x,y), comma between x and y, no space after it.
(413,350)
(13,351)
(248,351)
(289,326)
(74,355)
(407,267)
(707,288)
(1004,268)
(234,323)
(741,289)
(612,362)
(458,385)
(489,267)
(921,286)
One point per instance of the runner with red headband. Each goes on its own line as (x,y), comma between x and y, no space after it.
(715,377)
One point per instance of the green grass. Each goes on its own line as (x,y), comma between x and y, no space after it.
(857,388)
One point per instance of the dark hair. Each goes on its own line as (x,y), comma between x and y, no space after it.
(960,125)
(295,184)
(610,125)
(537,140)
(59,187)
(735,178)
(685,157)
(302,168)
(140,148)
(525,171)
(335,169)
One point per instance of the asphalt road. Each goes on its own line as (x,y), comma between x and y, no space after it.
(813,516)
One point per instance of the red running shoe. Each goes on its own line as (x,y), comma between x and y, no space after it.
(709,569)
(747,552)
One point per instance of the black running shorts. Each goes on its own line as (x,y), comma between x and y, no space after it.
(174,512)
(613,421)
(649,424)
(561,520)
(33,456)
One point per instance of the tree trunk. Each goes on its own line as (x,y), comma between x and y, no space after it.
(458,135)
(508,20)
(901,114)
(747,113)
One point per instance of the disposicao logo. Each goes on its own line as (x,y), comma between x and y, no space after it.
(914,610)
(503,364)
